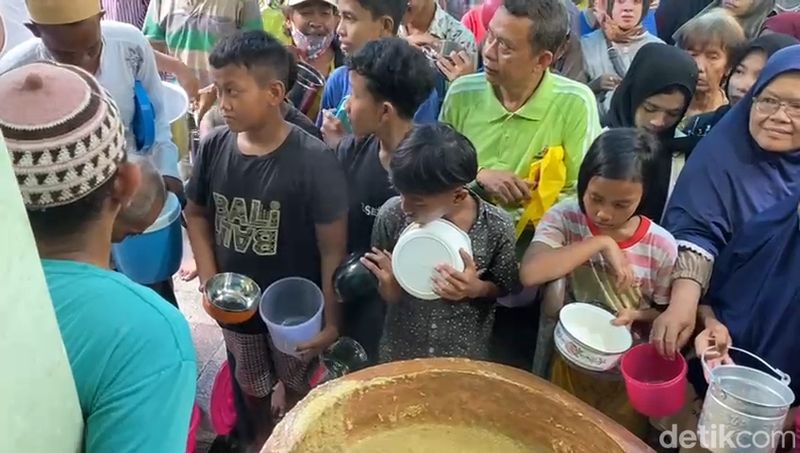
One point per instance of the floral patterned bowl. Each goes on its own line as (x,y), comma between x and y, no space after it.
(585,337)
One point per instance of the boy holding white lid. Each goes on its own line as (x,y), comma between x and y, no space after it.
(431,170)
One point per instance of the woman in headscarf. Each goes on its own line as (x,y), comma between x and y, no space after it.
(712,39)
(654,96)
(749,304)
(609,51)
(745,70)
(672,14)
(749,162)
(749,13)
(786,23)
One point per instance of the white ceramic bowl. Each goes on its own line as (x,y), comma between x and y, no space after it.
(423,247)
(585,337)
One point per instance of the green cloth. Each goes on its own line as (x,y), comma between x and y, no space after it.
(274,23)
(560,112)
(191,29)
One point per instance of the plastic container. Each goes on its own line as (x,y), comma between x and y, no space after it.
(421,248)
(155,255)
(176,101)
(292,311)
(191,442)
(656,386)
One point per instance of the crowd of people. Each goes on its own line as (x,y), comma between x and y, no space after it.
(670,130)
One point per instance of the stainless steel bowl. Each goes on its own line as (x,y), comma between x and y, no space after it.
(231,298)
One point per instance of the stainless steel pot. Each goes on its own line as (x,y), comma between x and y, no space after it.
(744,409)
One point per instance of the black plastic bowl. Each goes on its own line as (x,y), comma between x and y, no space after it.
(355,283)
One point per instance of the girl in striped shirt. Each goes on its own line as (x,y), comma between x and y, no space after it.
(609,255)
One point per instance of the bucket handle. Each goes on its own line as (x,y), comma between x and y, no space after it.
(783,377)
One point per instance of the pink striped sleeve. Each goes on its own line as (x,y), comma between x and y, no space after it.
(665,250)
(552,229)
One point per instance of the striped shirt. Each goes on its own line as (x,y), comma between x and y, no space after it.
(127,11)
(191,28)
(560,113)
(651,250)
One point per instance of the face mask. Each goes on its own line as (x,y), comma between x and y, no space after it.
(312,45)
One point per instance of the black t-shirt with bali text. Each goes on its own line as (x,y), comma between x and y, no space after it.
(264,209)
(368,187)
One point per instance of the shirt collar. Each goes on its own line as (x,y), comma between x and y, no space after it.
(533,110)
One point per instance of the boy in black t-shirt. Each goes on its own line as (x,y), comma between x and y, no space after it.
(389,79)
(268,201)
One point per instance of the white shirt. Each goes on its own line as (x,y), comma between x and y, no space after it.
(126,58)
(14,14)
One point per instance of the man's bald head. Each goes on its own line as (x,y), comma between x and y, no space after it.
(145,206)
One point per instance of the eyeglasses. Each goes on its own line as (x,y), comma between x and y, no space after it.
(770,106)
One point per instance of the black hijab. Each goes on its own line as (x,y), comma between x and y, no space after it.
(656,68)
(671,14)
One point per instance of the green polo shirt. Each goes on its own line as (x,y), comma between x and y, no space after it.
(560,112)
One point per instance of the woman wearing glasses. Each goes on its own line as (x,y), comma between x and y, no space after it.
(747,163)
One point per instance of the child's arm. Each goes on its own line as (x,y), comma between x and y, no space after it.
(328,205)
(201,239)
(332,244)
(543,263)
(385,231)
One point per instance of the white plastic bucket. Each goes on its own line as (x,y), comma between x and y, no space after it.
(292,310)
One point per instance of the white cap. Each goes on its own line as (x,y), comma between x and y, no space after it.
(333,3)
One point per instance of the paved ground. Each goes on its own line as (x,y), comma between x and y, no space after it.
(208,343)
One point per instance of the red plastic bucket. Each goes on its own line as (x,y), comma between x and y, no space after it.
(222,408)
(193,425)
(656,386)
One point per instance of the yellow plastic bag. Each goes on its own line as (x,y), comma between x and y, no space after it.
(551,173)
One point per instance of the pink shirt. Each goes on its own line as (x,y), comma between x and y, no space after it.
(472,20)
(651,250)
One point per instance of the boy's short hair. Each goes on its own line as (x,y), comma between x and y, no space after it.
(550,21)
(714,28)
(395,72)
(625,154)
(432,159)
(395,9)
(258,51)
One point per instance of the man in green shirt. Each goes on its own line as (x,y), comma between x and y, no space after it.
(517,108)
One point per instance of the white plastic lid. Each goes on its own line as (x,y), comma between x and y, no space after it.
(420,250)
(176,102)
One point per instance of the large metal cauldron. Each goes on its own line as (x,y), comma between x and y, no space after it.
(456,393)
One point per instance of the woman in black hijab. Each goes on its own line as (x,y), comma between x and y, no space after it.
(654,96)
(671,14)
(744,72)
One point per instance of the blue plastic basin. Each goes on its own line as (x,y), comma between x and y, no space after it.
(155,255)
